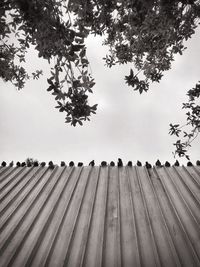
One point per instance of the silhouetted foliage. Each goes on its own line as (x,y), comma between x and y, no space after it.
(193,121)
(147,34)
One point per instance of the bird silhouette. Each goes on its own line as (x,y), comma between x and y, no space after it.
(176,163)
(29,163)
(103,163)
(167,164)
(112,163)
(43,164)
(11,163)
(51,165)
(158,163)
(92,163)
(35,164)
(23,164)
(119,163)
(148,165)
(139,163)
(198,163)
(3,164)
(71,164)
(189,164)
(62,164)
(130,164)
(18,164)
(80,164)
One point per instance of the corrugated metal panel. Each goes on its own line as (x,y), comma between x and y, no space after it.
(100,216)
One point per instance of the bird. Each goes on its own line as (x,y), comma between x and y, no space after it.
(139,163)
(35,164)
(62,164)
(11,163)
(71,164)
(3,164)
(43,164)
(112,163)
(176,163)
(51,165)
(148,165)
(29,163)
(198,163)
(167,164)
(158,163)
(92,163)
(23,164)
(80,164)
(130,164)
(119,163)
(189,164)
(18,164)
(103,163)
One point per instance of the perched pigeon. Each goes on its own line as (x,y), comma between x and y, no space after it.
(119,163)
(92,163)
(80,164)
(71,164)
(11,163)
(51,165)
(23,164)
(103,163)
(29,164)
(176,163)
(18,164)
(62,164)
(3,164)
(148,165)
(139,163)
(189,164)
(35,164)
(43,164)
(130,164)
(158,163)
(198,163)
(167,164)
(112,163)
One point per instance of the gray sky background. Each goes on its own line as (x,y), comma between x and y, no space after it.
(127,125)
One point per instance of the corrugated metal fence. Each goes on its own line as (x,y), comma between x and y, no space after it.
(100,216)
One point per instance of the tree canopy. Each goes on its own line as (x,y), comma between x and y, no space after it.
(146,33)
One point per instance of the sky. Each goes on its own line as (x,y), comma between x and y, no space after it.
(127,125)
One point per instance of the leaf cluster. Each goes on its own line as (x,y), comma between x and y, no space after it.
(193,120)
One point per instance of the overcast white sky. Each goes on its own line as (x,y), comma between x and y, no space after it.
(127,125)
